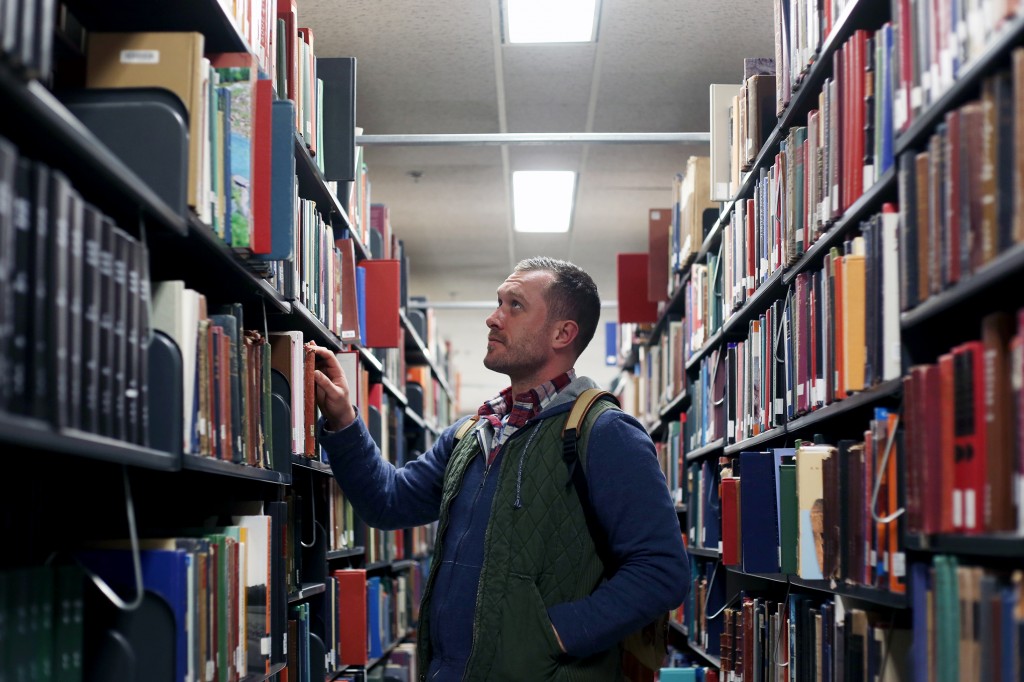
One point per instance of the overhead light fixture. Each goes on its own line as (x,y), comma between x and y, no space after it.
(548,21)
(542,200)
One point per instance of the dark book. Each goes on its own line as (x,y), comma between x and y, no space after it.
(107,338)
(132,341)
(229,324)
(76,263)
(907,181)
(145,332)
(8,165)
(90,339)
(58,255)
(21,282)
(39,303)
(121,245)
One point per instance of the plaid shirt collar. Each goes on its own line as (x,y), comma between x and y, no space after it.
(507,414)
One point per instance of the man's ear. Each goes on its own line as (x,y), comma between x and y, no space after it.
(566,332)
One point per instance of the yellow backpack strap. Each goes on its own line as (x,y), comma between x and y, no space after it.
(466,427)
(580,408)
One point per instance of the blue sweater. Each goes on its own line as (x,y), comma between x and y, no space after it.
(627,492)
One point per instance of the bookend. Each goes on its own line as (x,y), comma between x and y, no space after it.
(317,657)
(129,646)
(147,128)
(165,395)
(315,558)
(281,420)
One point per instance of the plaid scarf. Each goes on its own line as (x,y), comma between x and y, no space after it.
(507,414)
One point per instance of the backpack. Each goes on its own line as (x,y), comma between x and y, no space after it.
(646,648)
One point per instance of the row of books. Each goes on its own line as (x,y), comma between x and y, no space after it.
(800,31)
(26,41)
(804,638)
(691,202)
(961,197)
(963,423)
(936,42)
(42,612)
(369,613)
(834,333)
(74,307)
(968,621)
(221,589)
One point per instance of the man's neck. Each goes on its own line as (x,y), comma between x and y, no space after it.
(523,384)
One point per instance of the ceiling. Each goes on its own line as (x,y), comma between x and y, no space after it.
(442,67)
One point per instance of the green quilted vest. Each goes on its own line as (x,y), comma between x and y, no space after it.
(537,553)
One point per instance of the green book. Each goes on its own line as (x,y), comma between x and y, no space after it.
(787,519)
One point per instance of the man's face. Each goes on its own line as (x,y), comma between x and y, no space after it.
(518,342)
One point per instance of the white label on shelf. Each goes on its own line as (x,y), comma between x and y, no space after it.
(799,390)
(915,97)
(778,406)
(223,431)
(958,509)
(823,210)
(655,215)
(297,436)
(211,671)
(970,519)
(872,557)
(284,641)
(732,426)
(264,646)
(348,334)
(869,175)
(899,565)
(834,195)
(719,546)
(764,266)
(238,659)
(819,389)
(140,56)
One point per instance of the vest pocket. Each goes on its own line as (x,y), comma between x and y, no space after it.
(526,647)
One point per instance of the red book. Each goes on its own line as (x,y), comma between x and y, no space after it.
(352,615)
(383,289)
(659,225)
(731,521)
(943,488)
(261,167)
(289,11)
(634,305)
(969,440)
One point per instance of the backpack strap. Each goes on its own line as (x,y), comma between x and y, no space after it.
(570,454)
(466,427)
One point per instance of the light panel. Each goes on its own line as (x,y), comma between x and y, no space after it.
(542,200)
(551,21)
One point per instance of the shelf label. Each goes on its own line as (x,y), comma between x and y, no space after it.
(264,646)
(140,56)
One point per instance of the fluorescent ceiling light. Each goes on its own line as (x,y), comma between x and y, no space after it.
(551,21)
(542,200)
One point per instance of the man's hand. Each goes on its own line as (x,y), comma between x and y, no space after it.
(332,393)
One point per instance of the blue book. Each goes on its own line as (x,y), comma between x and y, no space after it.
(224,104)
(884,127)
(373,626)
(611,346)
(361,296)
(759,527)
(677,674)
(282,183)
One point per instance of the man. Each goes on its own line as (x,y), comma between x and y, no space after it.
(516,590)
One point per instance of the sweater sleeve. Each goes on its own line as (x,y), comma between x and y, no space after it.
(384,496)
(631,501)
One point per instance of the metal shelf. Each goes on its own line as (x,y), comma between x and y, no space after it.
(713,660)
(394,391)
(264,677)
(869,594)
(766,294)
(417,353)
(313,186)
(312,329)
(306,592)
(345,553)
(222,468)
(709,449)
(311,465)
(704,552)
(882,391)
(993,545)
(674,407)
(709,345)
(754,441)
(33,434)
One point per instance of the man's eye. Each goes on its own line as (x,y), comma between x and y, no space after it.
(516,304)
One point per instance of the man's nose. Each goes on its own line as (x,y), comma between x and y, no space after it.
(493,320)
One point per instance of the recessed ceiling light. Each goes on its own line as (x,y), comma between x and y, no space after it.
(542,200)
(550,21)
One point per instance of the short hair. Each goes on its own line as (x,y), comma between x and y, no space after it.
(571,296)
